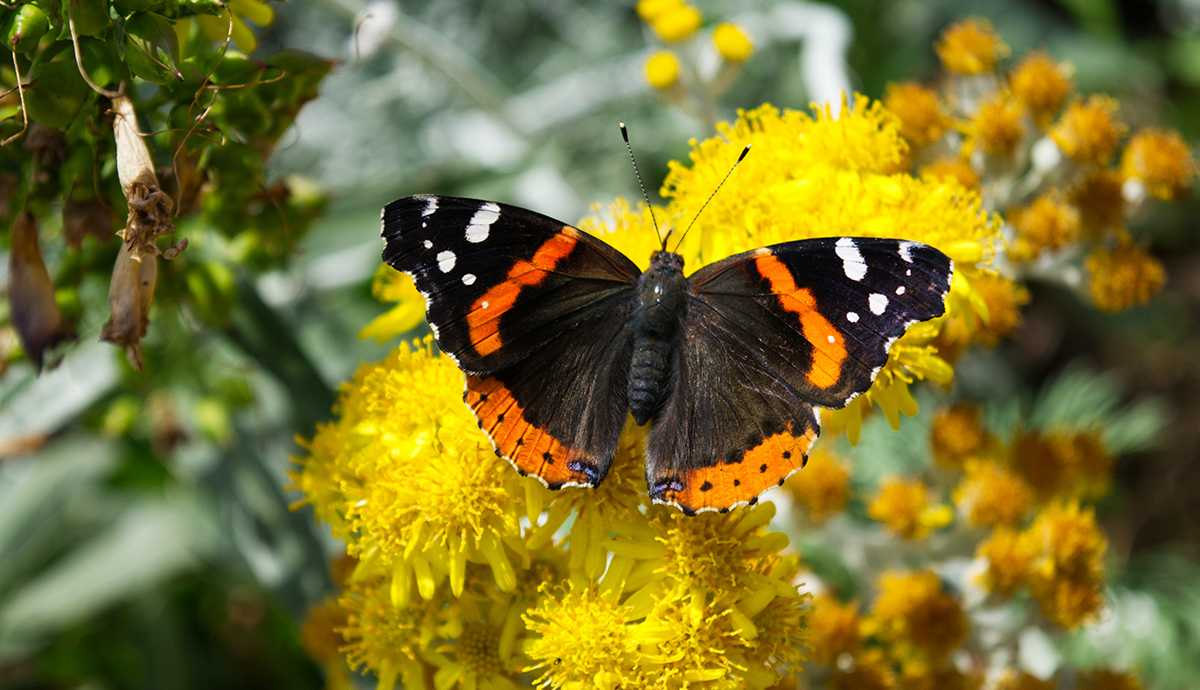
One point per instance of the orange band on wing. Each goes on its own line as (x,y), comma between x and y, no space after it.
(725,485)
(531,450)
(483,321)
(829,347)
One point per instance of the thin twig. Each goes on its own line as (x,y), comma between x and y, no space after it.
(79,60)
(24,112)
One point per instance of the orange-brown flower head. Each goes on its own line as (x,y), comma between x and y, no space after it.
(823,487)
(1108,679)
(998,125)
(1050,222)
(957,435)
(1123,277)
(1004,298)
(903,506)
(1038,460)
(1010,556)
(922,121)
(955,169)
(1042,84)
(912,607)
(991,496)
(832,629)
(1162,161)
(1068,580)
(970,47)
(1089,131)
(1099,201)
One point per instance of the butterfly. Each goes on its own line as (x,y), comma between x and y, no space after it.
(561,337)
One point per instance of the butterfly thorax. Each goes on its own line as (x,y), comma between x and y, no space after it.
(659,306)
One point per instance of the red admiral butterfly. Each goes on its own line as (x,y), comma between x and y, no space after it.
(561,337)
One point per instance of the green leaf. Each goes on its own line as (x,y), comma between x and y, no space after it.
(24,27)
(152,48)
(127,7)
(101,61)
(90,16)
(57,93)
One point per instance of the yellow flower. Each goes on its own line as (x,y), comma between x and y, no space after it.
(819,177)
(922,121)
(649,10)
(993,497)
(477,661)
(1089,132)
(615,506)
(998,125)
(1068,580)
(833,629)
(1099,201)
(581,639)
(321,638)
(418,487)
(970,47)
(1050,222)
(1010,557)
(823,487)
(662,69)
(1042,84)
(387,638)
(956,169)
(1161,160)
(957,435)
(732,43)
(1123,277)
(904,507)
(676,23)
(1004,298)
(1020,680)
(391,285)
(915,615)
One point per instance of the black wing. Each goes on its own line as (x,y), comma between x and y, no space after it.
(536,313)
(768,335)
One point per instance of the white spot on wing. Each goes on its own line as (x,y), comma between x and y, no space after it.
(831,339)
(481,222)
(900,290)
(468,278)
(428,244)
(906,251)
(446,261)
(484,305)
(878,303)
(852,259)
(430,206)
(851,317)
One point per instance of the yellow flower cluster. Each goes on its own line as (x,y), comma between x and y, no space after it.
(1045,160)
(674,73)
(467,574)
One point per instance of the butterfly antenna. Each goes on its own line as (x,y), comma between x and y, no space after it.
(657,233)
(710,196)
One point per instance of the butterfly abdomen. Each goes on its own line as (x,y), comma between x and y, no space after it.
(659,308)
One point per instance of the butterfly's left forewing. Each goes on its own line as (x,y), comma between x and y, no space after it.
(769,335)
(536,313)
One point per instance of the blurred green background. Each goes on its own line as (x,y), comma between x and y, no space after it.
(146,539)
